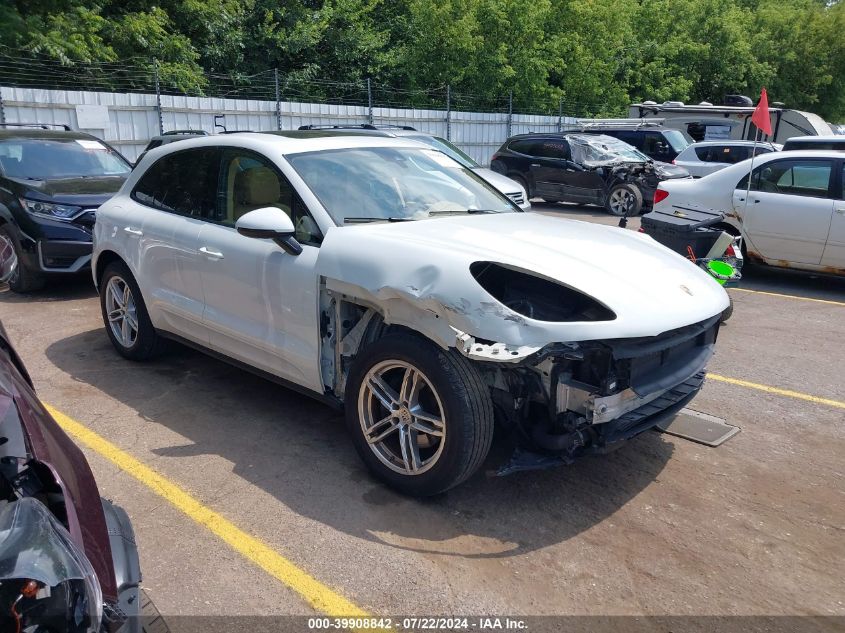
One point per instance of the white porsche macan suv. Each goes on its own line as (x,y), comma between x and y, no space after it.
(379,276)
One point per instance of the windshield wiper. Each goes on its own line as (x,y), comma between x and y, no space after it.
(358,220)
(455,211)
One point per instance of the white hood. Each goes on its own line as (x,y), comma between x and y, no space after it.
(424,266)
(502,183)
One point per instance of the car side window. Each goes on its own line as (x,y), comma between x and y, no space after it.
(841,195)
(183,183)
(809,178)
(527,147)
(553,148)
(249,181)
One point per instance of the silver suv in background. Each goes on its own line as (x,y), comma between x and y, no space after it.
(708,157)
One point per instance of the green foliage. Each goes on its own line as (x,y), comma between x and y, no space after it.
(594,55)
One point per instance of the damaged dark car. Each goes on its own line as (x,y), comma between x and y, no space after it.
(584,169)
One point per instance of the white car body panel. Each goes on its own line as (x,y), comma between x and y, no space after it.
(261,306)
(506,185)
(790,231)
(425,264)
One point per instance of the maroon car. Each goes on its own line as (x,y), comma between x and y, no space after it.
(68,560)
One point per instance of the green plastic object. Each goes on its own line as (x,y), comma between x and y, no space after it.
(721,271)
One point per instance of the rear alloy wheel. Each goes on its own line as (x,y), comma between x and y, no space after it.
(421,417)
(624,199)
(23,279)
(125,316)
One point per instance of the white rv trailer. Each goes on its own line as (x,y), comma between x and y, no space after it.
(708,122)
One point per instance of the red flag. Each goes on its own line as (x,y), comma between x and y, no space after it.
(761,117)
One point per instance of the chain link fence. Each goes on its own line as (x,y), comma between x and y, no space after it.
(143,98)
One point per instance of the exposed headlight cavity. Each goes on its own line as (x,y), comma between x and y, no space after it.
(536,297)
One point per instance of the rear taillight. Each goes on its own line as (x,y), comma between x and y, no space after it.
(673,162)
(729,251)
(641,230)
(660,195)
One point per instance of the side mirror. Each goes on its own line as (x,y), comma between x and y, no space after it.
(270,223)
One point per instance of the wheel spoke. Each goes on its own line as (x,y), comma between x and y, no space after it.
(409,392)
(410,449)
(115,294)
(427,423)
(127,295)
(115,315)
(125,333)
(381,429)
(383,392)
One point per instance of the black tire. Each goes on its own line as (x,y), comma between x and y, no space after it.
(629,192)
(147,343)
(467,412)
(728,311)
(151,618)
(24,279)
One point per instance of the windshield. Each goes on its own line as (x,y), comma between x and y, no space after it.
(602,148)
(394,183)
(48,159)
(447,148)
(678,140)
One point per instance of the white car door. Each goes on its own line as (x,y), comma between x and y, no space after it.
(178,190)
(788,212)
(261,303)
(834,252)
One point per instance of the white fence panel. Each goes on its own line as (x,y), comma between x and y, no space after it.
(135,118)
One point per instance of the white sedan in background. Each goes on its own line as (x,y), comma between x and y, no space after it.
(793,216)
(707,157)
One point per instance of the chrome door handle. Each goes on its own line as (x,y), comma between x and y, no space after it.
(132,231)
(210,253)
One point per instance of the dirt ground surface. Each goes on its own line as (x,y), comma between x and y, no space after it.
(663,526)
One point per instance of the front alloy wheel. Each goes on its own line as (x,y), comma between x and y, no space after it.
(421,417)
(121,312)
(401,417)
(624,200)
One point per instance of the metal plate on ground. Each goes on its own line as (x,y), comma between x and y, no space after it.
(698,427)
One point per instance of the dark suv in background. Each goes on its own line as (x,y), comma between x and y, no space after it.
(51,183)
(584,169)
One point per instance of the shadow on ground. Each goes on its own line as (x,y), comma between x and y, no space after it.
(297,450)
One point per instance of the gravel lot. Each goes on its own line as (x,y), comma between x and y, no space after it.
(663,526)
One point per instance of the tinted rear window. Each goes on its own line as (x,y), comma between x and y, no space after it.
(183,182)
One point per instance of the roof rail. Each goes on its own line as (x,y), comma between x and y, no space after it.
(197,132)
(593,124)
(38,126)
(362,126)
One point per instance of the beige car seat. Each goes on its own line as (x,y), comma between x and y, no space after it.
(256,188)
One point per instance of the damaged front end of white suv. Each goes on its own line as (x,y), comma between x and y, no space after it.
(579,347)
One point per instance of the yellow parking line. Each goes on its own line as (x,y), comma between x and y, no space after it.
(783,296)
(315,593)
(776,390)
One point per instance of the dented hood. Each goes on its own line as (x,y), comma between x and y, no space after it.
(415,271)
